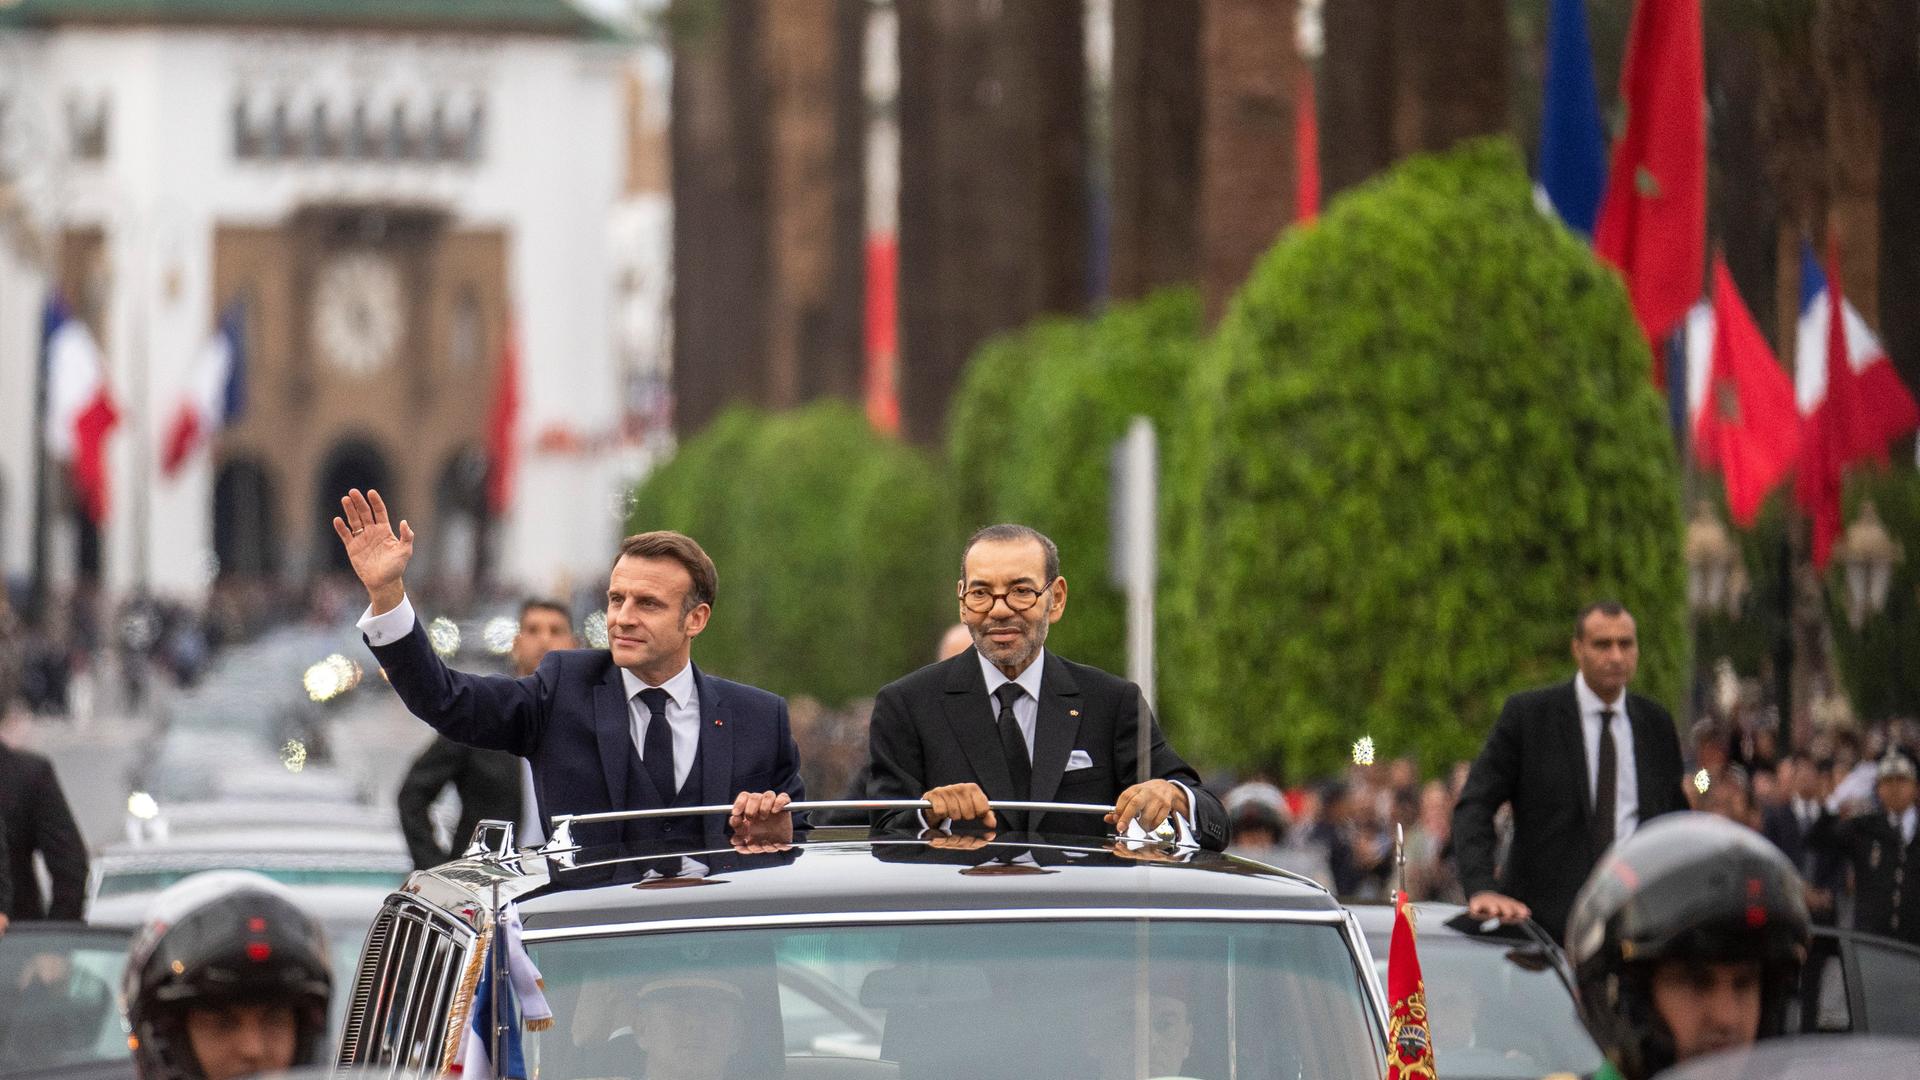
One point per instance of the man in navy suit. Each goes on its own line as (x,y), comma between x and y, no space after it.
(632,727)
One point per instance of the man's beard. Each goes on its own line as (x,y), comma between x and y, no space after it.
(1020,653)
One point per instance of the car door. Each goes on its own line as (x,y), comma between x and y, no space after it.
(1858,983)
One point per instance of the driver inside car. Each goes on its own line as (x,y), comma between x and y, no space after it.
(1113,1039)
(691,1026)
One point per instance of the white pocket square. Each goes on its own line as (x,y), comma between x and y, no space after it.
(1079,759)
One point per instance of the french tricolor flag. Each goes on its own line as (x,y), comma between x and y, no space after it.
(1887,409)
(216,396)
(80,409)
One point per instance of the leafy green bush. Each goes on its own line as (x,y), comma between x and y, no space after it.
(985,416)
(1076,387)
(1423,436)
(834,547)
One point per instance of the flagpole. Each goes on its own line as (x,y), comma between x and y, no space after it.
(37,591)
(1399,861)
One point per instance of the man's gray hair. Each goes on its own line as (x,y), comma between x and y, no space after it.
(1009,532)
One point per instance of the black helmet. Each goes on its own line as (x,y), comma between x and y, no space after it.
(217,939)
(1685,886)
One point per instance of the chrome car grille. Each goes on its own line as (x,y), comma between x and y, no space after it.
(404,992)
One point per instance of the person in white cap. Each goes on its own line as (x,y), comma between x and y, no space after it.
(1882,844)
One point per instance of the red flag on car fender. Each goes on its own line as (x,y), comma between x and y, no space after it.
(1409,1040)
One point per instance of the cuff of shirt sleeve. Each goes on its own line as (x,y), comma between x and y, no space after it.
(390,627)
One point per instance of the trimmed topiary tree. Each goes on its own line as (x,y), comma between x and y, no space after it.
(1049,467)
(1423,436)
(985,417)
(834,547)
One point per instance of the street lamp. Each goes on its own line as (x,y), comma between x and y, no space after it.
(1868,554)
(1716,575)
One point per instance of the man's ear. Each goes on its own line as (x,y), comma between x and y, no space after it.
(1057,603)
(696,620)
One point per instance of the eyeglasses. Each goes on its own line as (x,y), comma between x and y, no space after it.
(980,599)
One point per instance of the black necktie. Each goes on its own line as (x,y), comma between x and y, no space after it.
(1019,761)
(656,753)
(1603,785)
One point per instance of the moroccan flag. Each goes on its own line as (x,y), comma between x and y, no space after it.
(1746,424)
(1653,218)
(1409,1040)
(503,422)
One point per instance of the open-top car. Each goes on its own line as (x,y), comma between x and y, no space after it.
(850,955)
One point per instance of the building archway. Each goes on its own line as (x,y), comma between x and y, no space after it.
(246,540)
(350,463)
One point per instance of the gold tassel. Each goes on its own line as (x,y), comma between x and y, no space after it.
(540,1024)
(463,1000)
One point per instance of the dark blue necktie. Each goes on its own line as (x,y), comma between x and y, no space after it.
(656,753)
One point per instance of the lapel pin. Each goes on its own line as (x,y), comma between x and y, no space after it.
(1073,712)
(717,723)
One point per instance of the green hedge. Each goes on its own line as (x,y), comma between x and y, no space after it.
(834,547)
(1032,431)
(1424,434)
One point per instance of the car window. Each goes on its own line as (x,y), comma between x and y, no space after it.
(1821,1007)
(988,1001)
(1890,980)
(1498,1012)
(58,1000)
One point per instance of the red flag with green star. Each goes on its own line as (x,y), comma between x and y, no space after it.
(1653,218)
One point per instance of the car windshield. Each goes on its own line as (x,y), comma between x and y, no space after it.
(984,1000)
(58,1004)
(1498,1013)
(123,883)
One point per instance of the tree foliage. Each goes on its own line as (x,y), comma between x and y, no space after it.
(833,546)
(1423,436)
(1031,436)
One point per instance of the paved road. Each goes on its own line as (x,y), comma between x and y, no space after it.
(373,737)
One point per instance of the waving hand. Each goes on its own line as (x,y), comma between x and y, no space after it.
(379,555)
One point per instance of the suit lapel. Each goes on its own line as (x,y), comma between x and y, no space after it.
(1055,728)
(613,729)
(1575,748)
(716,743)
(970,715)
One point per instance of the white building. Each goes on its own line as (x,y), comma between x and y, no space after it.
(394,189)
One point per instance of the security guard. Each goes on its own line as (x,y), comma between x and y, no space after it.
(1881,847)
(1688,939)
(227,978)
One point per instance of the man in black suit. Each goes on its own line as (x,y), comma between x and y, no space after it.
(1790,824)
(488,783)
(1584,764)
(1008,720)
(635,726)
(36,817)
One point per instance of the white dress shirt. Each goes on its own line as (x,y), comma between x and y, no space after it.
(683,700)
(683,719)
(1626,782)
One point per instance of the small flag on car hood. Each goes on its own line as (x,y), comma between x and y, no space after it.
(1409,1040)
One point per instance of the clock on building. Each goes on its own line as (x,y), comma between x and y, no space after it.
(358,312)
